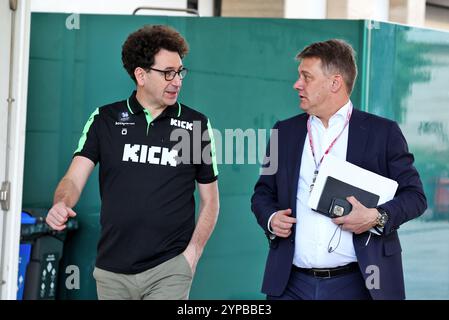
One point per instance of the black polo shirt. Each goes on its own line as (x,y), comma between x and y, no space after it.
(146,180)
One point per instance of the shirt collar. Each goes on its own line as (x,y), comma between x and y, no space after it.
(340,115)
(135,107)
(343,111)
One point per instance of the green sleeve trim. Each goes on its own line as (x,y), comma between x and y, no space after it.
(212,148)
(83,138)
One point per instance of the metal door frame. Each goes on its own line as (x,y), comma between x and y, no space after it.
(13,101)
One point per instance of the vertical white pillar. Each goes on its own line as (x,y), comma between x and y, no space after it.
(305,9)
(412,12)
(356,9)
(206,8)
(416,12)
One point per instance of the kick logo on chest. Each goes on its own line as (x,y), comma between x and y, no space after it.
(149,154)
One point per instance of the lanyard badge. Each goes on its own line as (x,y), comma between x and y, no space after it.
(309,132)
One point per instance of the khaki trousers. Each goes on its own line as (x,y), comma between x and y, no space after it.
(171,280)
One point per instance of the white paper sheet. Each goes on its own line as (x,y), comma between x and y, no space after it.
(354,175)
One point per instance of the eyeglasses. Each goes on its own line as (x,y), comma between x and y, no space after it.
(170,74)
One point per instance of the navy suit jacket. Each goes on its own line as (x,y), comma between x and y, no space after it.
(374,143)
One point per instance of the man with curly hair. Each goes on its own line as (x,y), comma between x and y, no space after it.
(150,244)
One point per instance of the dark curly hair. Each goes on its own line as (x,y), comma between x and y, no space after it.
(336,56)
(142,45)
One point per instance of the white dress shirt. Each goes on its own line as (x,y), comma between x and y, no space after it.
(314,231)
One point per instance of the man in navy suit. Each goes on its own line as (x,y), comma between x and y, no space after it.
(357,256)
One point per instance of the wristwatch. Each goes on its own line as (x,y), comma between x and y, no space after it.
(382,218)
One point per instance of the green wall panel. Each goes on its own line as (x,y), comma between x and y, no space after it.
(408,83)
(408,77)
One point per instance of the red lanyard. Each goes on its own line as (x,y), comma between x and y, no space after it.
(309,131)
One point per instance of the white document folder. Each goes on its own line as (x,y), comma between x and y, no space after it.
(354,175)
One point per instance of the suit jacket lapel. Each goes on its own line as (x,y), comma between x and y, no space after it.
(294,154)
(357,137)
(357,142)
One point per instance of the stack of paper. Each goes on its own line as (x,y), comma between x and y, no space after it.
(347,172)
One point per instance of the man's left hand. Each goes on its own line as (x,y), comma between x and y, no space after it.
(192,256)
(360,219)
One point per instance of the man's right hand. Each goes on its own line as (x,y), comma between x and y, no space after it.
(58,216)
(282,223)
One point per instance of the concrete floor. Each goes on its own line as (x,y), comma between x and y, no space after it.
(425,253)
